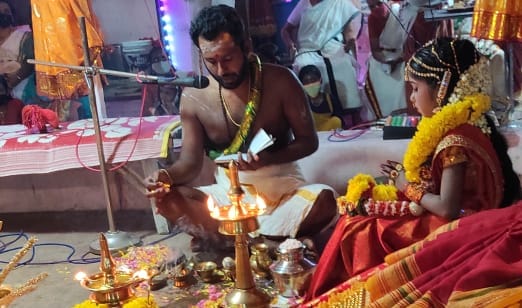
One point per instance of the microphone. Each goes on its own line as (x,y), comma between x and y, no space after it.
(198,82)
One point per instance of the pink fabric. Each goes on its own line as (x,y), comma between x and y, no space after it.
(23,153)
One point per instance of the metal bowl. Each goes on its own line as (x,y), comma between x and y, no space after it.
(206,270)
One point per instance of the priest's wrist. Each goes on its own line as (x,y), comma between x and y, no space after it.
(165,177)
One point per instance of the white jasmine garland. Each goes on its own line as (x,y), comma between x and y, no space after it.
(476,79)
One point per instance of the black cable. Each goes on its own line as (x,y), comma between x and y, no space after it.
(6,247)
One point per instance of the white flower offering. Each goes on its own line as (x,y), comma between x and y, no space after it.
(290,243)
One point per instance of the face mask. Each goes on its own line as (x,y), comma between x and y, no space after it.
(312,89)
(161,67)
(6,20)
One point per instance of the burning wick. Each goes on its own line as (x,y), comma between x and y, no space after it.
(142,274)
(256,208)
(80,276)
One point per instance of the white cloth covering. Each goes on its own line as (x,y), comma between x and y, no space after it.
(295,16)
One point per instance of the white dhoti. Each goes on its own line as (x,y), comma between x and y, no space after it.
(282,187)
(386,87)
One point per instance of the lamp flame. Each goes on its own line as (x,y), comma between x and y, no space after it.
(141,274)
(261,204)
(232,212)
(80,276)
(212,208)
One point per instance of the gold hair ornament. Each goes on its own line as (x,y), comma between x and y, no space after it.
(434,52)
(410,71)
(452,45)
(426,66)
(443,87)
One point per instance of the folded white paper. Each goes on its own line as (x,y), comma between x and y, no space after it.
(261,141)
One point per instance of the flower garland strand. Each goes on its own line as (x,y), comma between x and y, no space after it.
(430,131)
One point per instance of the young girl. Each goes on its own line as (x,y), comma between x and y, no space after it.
(455,165)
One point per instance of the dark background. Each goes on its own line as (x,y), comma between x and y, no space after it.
(22,11)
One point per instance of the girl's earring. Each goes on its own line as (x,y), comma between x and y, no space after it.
(443,88)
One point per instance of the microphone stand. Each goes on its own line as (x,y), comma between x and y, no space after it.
(93,70)
(117,240)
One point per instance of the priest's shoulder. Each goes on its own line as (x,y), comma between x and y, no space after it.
(275,74)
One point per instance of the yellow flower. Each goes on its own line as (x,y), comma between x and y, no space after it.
(357,186)
(138,302)
(430,131)
(384,192)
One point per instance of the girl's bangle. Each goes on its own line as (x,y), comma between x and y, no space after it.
(415,192)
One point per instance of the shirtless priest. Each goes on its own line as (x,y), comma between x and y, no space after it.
(243,97)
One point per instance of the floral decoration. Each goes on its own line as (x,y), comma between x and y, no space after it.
(430,131)
(476,79)
(363,187)
(138,302)
(357,186)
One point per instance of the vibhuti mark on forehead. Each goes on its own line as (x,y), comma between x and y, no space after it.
(224,40)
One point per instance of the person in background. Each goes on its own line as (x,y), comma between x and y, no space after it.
(16,46)
(58,38)
(10,108)
(326,38)
(384,86)
(396,30)
(161,99)
(289,29)
(243,97)
(419,31)
(455,165)
(325,110)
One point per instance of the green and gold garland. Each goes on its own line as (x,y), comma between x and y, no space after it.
(430,131)
(250,109)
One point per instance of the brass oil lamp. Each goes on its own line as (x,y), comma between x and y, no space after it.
(239,219)
(110,286)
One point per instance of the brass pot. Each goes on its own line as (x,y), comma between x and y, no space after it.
(260,260)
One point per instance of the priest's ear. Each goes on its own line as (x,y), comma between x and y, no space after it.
(248,45)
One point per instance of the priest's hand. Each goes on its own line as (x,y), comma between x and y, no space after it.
(252,162)
(158,185)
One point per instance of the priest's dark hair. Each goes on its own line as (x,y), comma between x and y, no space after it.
(213,20)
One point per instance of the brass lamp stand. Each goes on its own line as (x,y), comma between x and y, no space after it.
(239,219)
